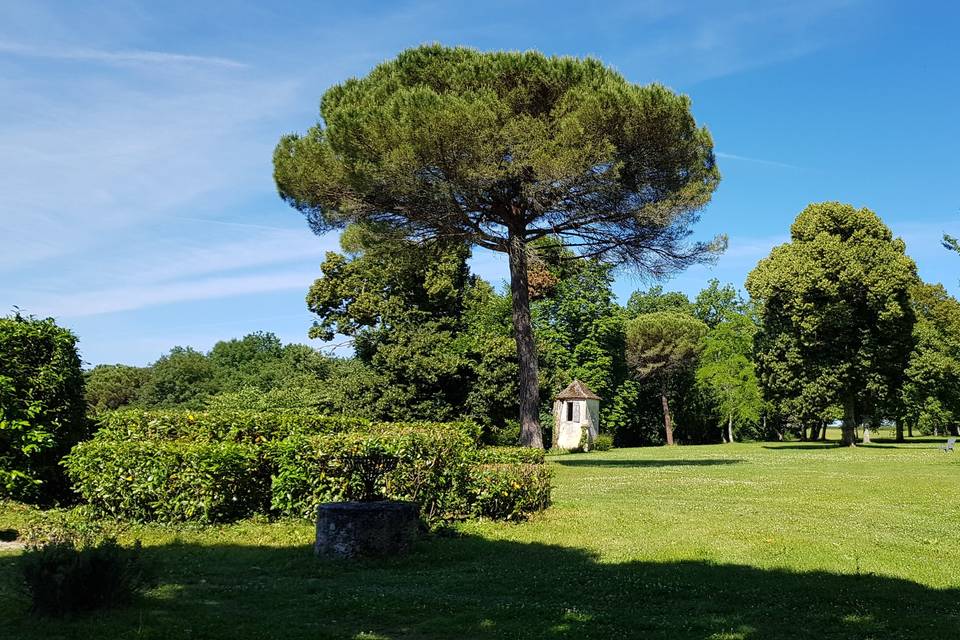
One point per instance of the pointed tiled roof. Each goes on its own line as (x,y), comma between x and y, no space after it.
(576,390)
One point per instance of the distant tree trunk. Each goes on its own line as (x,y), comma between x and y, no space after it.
(899,424)
(815,432)
(849,430)
(866,434)
(823,431)
(530,435)
(803,431)
(730,428)
(667,422)
(910,429)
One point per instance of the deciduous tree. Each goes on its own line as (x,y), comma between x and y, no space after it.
(835,315)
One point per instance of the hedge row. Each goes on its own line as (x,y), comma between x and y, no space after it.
(169,481)
(223,466)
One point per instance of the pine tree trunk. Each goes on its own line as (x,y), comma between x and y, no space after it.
(667,422)
(849,433)
(530,434)
(730,428)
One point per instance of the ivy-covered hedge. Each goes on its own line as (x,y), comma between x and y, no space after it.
(222,466)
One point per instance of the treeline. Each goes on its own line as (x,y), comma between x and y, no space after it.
(839,323)
(433,341)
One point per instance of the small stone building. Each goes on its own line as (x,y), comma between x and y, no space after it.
(576,414)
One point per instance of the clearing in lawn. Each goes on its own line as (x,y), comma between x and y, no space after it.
(767,540)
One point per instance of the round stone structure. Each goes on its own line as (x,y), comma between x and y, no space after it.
(351,529)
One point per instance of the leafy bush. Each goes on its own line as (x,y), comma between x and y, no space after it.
(217,466)
(170,480)
(42,407)
(603,442)
(220,425)
(426,463)
(61,578)
(496,455)
(58,526)
(508,491)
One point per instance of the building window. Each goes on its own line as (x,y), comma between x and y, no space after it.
(573,412)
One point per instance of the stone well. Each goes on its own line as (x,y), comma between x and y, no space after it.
(350,529)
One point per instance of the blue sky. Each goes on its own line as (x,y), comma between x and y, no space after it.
(136,199)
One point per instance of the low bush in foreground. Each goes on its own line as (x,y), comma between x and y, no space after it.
(61,578)
(220,467)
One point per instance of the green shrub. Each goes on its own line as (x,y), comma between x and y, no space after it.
(42,407)
(603,442)
(219,466)
(220,425)
(497,455)
(421,462)
(61,578)
(58,526)
(170,480)
(508,491)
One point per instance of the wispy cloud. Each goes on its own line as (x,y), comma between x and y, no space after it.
(114,57)
(721,39)
(772,163)
(133,297)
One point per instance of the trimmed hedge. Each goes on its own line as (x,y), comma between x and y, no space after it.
(223,466)
(219,426)
(504,455)
(429,466)
(508,491)
(170,481)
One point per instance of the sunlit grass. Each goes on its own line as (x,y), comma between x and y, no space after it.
(757,540)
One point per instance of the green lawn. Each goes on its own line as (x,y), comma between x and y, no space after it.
(790,540)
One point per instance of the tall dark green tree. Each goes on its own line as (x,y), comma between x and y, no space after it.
(402,305)
(500,149)
(835,315)
(660,347)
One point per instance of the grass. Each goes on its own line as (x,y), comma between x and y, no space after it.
(723,542)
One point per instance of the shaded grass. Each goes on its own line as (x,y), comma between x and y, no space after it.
(721,542)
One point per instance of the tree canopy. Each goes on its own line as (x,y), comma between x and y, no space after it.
(835,315)
(659,346)
(501,149)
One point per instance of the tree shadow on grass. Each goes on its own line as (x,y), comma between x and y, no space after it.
(600,462)
(471,587)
